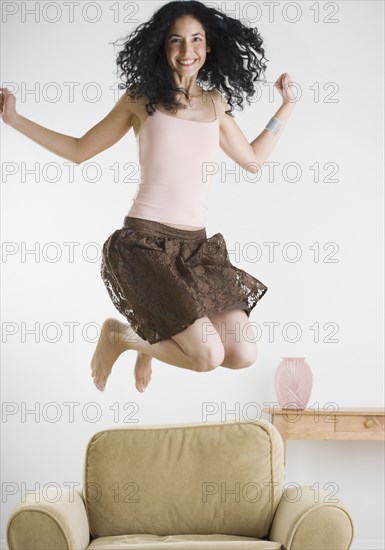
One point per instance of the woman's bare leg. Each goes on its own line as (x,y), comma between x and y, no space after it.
(186,350)
(239,341)
(238,338)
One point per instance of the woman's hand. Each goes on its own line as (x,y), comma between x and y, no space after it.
(7,105)
(284,85)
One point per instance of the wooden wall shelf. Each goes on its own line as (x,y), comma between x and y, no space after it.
(360,424)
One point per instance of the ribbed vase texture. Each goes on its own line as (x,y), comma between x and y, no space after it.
(293,383)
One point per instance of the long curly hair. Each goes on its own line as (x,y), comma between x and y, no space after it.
(233,65)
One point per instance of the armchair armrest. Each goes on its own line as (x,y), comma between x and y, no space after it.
(305,520)
(49,519)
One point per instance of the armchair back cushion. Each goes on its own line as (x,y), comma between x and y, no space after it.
(198,478)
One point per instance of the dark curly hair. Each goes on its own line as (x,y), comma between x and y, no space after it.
(232,66)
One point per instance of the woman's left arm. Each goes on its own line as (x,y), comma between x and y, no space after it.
(266,141)
(251,156)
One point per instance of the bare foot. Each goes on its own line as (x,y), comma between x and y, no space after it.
(110,345)
(142,371)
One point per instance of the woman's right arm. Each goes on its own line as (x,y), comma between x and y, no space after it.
(100,137)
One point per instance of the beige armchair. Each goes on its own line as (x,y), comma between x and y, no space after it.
(198,486)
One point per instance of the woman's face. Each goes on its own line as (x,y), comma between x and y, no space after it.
(186,46)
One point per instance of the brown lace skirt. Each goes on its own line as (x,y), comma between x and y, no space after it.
(162,279)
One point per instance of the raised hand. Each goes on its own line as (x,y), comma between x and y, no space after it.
(284,85)
(7,105)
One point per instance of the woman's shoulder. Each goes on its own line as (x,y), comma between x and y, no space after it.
(215,93)
(220,102)
(134,104)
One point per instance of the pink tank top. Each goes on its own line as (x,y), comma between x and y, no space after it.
(174,179)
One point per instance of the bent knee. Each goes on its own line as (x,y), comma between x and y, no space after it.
(209,358)
(242,358)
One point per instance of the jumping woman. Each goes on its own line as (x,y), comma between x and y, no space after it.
(182,71)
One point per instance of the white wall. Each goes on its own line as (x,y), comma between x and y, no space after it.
(339,60)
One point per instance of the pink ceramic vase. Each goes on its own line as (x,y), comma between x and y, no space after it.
(293,383)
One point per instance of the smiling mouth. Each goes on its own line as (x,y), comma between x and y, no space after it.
(186,63)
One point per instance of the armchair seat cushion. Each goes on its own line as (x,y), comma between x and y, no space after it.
(182,542)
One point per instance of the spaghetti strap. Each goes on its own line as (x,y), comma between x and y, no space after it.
(215,112)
